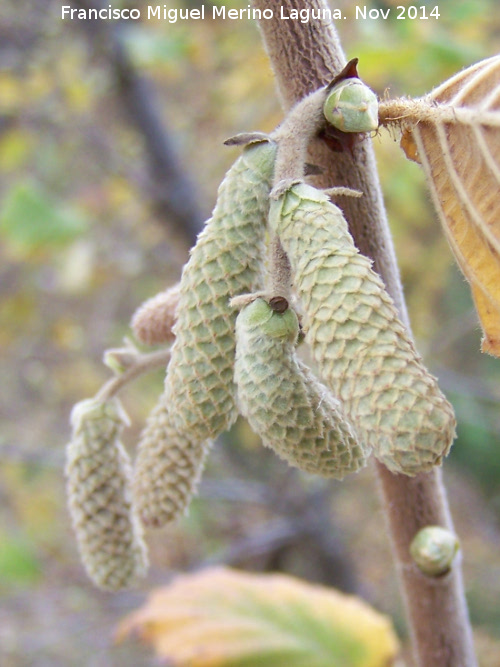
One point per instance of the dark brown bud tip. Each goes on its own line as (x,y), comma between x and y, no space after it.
(350,71)
(279,304)
(246,138)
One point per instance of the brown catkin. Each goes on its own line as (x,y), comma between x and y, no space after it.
(153,321)
(167,470)
(362,349)
(107,527)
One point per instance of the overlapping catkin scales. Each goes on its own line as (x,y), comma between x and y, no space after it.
(226,261)
(168,466)
(108,531)
(284,403)
(362,349)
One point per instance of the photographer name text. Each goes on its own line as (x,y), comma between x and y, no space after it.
(172,15)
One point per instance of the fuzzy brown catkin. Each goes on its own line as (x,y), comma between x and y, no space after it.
(108,530)
(153,321)
(167,469)
(293,413)
(226,261)
(361,347)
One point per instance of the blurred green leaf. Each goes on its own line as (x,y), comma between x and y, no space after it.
(149,48)
(18,564)
(30,219)
(476,449)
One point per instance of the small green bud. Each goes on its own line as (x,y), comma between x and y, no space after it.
(433,549)
(119,360)
(352,107)
(271,323)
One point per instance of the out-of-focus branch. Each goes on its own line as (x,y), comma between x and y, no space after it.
(303,524)
(173,193)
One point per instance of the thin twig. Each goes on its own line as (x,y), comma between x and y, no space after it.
(407,112)
(293,137)
(142,364)
(281,280)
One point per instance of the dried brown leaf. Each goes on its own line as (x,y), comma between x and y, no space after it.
(454,133)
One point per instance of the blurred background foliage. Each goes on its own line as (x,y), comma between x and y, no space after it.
(85,238)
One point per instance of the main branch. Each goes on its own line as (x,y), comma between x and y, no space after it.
(304,57)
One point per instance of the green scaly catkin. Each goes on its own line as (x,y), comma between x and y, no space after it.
(362,349)
(293,413)
(199,398)
(98,471)
(226,261)
(168,467)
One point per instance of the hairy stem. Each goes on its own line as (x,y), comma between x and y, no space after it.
(281,280)
(142,364)
(408,112)
(304,57)
(294,135)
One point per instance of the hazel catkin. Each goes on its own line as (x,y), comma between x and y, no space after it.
(284,403)
(108,530)
(226,261)
(168,467)
(362,349)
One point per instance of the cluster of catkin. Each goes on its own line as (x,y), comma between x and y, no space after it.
(235,354)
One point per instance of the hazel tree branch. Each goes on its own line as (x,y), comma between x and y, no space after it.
(304,57)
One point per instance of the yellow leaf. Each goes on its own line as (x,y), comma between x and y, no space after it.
(455,134)
(15,146)
(11,93)
(407,143)
(224,618)
(489,314)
